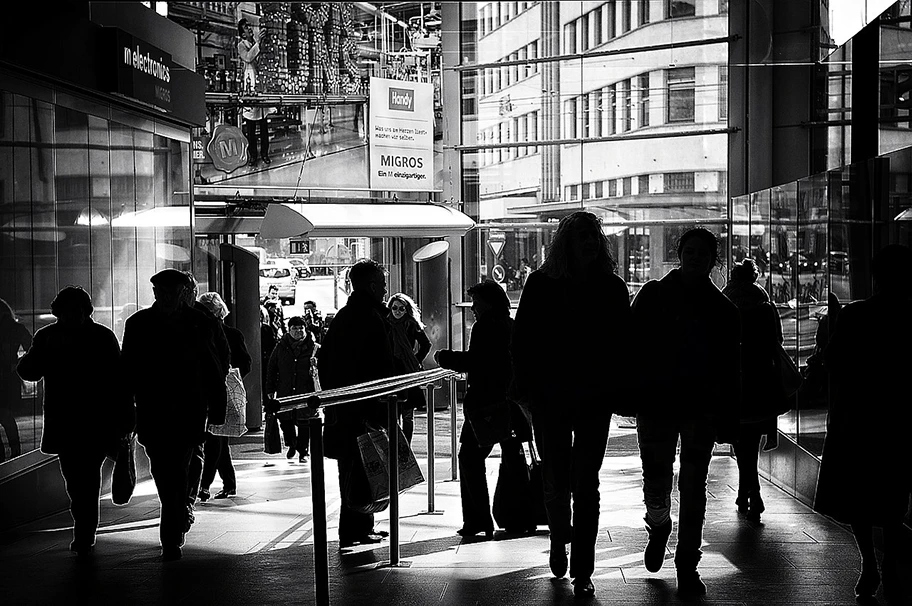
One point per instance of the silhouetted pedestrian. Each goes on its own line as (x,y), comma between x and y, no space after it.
(410,346)
(570,375)
(14,336)
(489,372)
(314,321)
(176,376)
(866,470)
(273,305)
(268,340)
(688,336)
(356,349)
(85,408)
(217,450)
(763,396)
(289,374)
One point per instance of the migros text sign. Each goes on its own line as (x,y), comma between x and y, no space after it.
(401,129)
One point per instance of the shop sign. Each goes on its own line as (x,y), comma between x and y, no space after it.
(227,148)
(401,135)
(140,71)
(198,149)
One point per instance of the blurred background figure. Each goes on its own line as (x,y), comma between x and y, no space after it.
(289,373)
(410,346)
(15,339)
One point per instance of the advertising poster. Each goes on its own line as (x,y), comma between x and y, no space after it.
(401,135)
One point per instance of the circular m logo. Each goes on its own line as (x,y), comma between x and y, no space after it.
(227,148)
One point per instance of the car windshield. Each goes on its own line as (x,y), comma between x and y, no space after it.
(274,272)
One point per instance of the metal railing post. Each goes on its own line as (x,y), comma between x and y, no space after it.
(454,441)
(432,476)
(393,431)
(318,498)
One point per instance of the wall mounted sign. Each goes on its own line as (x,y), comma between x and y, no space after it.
(227,148)
(401,135)
(139,70)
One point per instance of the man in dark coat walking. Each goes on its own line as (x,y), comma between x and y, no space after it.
(356,349)
(175,375)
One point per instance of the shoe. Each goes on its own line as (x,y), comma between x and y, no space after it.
(471,532)
(743,501)
(690,585)
(380,533)
(654,554)
(224,494)
(82,549)
(756,507)
(291,452)
(558,560)
(266,160)
(252,162)
(171,553)
(583,588)
(363,540)
(868,582)
(203,495)
(302,458)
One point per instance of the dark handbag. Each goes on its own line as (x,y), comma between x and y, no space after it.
(791,376)
(512,506)
(271,438)
(123,478)
(490,424)
(536,487)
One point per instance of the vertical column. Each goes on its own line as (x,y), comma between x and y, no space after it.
(550,102)
(318,499)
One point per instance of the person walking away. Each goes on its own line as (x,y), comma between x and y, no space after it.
(85,408)
(175,375)
(410,346)
(688,334)
(489,373)
(763,396)
(14,338)
(866,470)
(217,449)
(289,374)
(572,377)
(356,349)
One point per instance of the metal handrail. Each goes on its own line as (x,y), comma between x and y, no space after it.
(386,390)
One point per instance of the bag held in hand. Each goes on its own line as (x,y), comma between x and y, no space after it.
(491,423)
(235,424)
(271,438)
(123,478)
(374,450)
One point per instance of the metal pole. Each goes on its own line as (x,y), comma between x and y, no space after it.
(430,448)
(454,462)
(318,496)
(393,408)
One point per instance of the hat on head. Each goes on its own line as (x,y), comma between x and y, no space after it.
(170,277)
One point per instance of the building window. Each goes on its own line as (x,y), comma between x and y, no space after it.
(627,118)
(644,100)
(533,130)
(611,12)
(681,83)
(574,192)
(584,33)
(585,190)
(625,17)
(643,13)
(610,104)
(723,93)
(612,188)
(570,35)
(723,7)
(595,119)
(599,189)
(680,8)
(571,118)
(597,26)
(679,182)
(628,186)
(643,184)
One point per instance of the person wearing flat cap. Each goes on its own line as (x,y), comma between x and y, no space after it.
(175,377)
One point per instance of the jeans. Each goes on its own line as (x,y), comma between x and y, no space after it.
(218,458)
(658,440)
(572,444)
(473,482)
(169,465)
(81,469)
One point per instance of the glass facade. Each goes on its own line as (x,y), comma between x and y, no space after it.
(90,195)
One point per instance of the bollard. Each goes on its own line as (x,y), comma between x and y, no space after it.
(318,497)
(431,449)
(454,462)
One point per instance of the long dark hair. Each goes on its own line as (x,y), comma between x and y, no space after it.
(492,294)
(557,263)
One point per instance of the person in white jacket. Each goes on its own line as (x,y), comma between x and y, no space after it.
(255,118)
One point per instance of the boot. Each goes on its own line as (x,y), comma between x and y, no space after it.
(654,555)
(690,585)
(756,507)
(743,501)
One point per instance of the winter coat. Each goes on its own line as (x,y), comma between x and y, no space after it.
(686,347)
(240,357)
(289,370)
(174,369)
(405,334)
(487,362)
(356,349)
(866,468)
(569,341)
(84,399)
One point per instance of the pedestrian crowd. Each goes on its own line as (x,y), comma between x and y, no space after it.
(707,364)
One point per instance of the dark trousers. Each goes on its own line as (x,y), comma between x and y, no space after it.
(572,444)
(169,465)
(658,441)
(251,127)
(407,420)
(217,457)
(195,472)
(747,454)
(352,524)
(297,434)
(473,482)
(8,420)
(81,469)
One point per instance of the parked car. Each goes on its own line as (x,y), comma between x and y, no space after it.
(281,273)
(301,267)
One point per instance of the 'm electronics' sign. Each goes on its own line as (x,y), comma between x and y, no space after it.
(141,71)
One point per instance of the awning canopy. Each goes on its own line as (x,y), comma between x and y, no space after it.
(287,220)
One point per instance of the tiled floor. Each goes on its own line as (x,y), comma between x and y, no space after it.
(258,549)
